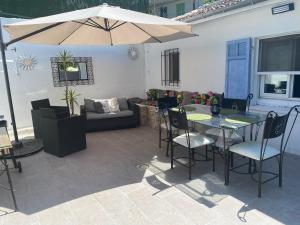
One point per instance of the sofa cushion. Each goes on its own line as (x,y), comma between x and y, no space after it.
(98,107)
(104,103)
(123,105)
(89,105)
(97,116)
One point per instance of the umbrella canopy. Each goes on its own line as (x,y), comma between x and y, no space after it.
(101,25)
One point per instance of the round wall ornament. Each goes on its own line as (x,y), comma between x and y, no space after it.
(133,53)
(26,62)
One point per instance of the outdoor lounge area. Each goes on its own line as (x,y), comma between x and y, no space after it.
(113,116)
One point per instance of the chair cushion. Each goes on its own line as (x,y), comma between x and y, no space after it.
(196,140)
(97,116)
(43,103)
(123,105)
(252,150)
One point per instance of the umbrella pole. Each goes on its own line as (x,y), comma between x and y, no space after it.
(10,103)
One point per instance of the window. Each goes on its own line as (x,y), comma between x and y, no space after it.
(279,67)
(164,11)
(180,9)
(170,67)
(79,72)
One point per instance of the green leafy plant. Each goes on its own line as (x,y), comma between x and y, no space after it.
(152,94)
(71,97)
(65,61)
(213,100)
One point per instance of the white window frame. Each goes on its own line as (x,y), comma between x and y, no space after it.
(291,74)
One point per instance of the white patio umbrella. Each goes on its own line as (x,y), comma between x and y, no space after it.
(100,25)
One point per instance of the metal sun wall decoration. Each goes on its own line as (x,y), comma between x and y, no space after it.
(26,63)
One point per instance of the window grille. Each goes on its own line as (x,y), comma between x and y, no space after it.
(170,67)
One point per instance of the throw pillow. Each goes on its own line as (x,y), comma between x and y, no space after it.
(114,105)
(104,103)
(123,104)
(98,107)
(89,105)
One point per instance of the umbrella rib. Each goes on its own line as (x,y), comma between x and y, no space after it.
(114,24)
(147,33)
(96,24)
(71,34)
(117,26)
(87,24)
(33,33)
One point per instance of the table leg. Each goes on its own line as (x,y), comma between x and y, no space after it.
(225,158)
(10,182)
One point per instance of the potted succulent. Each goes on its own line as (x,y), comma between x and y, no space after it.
(214,105)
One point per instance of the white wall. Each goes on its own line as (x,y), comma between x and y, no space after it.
(114,73)
(202,59)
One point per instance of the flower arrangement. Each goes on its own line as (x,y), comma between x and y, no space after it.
(213,100)
(151,94)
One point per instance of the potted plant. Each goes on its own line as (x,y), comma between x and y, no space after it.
(152,94)
(71,98)
(214,105)
(65,61)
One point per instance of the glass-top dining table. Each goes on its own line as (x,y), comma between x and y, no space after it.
(228,119)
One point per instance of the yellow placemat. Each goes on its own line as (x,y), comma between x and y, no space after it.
(240,120)
(198,116)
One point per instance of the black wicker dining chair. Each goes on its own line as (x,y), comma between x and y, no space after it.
(188,140)
(275,127)
(163,105)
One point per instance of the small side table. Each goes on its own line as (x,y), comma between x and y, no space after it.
(5,152)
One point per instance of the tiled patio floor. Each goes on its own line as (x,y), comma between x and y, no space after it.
(104,185)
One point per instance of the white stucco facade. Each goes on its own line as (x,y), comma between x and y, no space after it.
(115,74)
(203,58)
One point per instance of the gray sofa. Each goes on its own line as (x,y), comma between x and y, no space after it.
(127,117)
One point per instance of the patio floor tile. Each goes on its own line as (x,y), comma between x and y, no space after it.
(123,178)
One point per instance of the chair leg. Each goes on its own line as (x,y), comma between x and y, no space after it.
(231,159)
(250,166)
(228,165)
(206,153)
(259,178)
(172,154)
(190,163)
(159,136)
(213,158)
(168,146)
(280,171)
(10,182)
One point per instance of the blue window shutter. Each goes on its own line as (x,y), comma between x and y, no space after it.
(238,64)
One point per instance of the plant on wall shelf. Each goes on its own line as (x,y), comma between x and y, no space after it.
(71,98)
(65,61)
